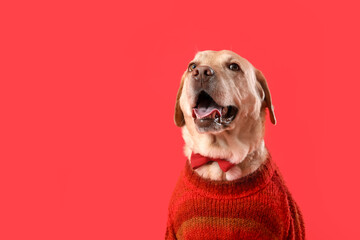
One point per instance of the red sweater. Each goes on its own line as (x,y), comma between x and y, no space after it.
(258,206)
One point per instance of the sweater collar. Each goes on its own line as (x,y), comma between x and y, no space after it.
(230,189)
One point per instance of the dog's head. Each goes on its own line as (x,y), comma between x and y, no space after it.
(221,96)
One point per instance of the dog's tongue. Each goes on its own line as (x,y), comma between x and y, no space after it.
(206,109)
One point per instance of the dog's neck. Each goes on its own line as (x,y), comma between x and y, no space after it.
(249,165)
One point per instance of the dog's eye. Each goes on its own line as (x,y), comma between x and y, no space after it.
(192,67)
(234,67)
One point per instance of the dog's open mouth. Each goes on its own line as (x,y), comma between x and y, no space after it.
(207,113)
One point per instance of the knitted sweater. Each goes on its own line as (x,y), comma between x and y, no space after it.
(258,206)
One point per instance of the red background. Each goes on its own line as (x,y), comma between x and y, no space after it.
(88,147)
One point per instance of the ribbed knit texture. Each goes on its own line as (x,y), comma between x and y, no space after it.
(258,206)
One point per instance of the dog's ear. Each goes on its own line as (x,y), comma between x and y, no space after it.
(179,116)
(263,84)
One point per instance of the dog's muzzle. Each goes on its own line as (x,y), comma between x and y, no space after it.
(209,116)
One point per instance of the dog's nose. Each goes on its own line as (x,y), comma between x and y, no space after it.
(203,73)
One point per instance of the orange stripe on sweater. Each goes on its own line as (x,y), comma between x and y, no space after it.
(227,226)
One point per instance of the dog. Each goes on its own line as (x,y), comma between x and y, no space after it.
(230,187)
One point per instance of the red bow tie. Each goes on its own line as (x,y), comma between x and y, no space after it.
(198,160)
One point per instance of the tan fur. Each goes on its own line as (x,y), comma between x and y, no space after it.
(242,143)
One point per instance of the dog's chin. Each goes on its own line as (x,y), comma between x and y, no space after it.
(208,126)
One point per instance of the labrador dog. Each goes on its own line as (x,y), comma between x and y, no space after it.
(221,101)
(230,188)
